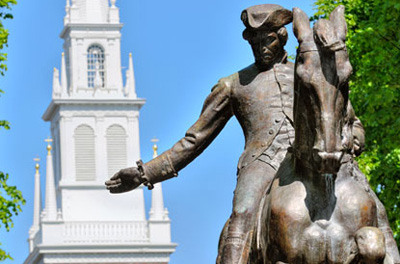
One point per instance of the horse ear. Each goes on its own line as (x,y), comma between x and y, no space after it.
(301,25)
(338,20)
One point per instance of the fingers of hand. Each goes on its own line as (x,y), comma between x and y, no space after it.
(113,182)
(116,176)
(113,185)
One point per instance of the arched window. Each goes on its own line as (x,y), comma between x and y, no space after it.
(85,165)
(96,69)
(116,149)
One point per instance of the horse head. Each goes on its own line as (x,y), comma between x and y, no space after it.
(321,91)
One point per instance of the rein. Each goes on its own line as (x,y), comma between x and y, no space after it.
(311,46)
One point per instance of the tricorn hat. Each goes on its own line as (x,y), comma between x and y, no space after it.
(266,17)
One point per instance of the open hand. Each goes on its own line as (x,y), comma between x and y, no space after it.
(124,181)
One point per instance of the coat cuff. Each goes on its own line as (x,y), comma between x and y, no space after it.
(157,170)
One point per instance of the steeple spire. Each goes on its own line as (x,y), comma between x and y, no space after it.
(157,211)
(130,86)
(50,210)
(36,208)
(37,204)
(56,83)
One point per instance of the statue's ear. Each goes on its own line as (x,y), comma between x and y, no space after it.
(339,22)
(301,26)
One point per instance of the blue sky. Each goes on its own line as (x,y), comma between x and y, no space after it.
(180,50)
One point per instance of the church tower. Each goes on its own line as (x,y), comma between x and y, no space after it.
(95,132)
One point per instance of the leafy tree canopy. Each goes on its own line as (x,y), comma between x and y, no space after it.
(373,42)
(11,198)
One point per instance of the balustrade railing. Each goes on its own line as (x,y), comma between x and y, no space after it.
(105,232)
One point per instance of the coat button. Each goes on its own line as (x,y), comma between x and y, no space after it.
(271,131)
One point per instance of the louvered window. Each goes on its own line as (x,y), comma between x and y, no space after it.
(95,63)
(85,154)
(116,149)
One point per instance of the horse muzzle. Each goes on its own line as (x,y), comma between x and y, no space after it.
(327,162)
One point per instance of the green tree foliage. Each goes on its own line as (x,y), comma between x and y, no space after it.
(11,198)
(11,201)
(373,42)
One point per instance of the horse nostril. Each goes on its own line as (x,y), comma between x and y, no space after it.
(329,162)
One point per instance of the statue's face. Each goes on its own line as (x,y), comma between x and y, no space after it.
(266,47)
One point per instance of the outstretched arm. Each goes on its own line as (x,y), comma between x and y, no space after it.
(215,114)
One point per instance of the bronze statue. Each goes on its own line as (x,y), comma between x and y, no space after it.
(261,98)
(319,208)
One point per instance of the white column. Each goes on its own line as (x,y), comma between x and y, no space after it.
(50,202)
(133,141)
(101,150)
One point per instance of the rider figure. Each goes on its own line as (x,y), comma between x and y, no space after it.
(260,96)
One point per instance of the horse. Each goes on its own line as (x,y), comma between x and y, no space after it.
(316,210)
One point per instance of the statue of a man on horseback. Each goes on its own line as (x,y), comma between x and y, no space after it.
(261,97)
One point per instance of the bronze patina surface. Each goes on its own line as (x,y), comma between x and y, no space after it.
(319,207)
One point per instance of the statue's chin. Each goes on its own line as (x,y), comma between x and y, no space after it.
(264,64)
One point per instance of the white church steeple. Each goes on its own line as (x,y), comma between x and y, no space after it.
(95,127)
(93,63)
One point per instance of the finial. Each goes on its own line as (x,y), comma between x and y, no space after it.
(155,147)
(130,54)
(48,140)
(62,53)
(67,4)
(113,3)
(37,159)
(54,69)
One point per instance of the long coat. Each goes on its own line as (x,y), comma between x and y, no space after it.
(260,100)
